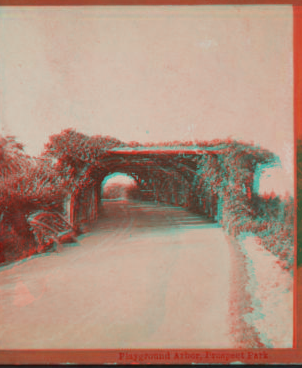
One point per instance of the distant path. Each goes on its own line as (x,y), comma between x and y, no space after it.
(147,276)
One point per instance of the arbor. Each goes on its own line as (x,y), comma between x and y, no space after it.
(76,147)
(77,154)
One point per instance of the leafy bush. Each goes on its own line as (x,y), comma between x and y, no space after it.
(272,222)
(13,159)
(76,148)
(24,189)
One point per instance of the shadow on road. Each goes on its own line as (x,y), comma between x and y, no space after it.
(146,216)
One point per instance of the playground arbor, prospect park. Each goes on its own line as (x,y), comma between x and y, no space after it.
(190,230)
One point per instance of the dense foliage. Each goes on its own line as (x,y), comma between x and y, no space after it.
(223,181)
(270,219)
(26,185)
(114,191)
(75,149)
(230,178)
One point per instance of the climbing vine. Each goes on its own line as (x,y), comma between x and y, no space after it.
(221,175)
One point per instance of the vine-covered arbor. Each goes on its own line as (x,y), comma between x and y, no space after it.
(200,175)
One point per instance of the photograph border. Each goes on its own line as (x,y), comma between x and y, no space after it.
(188,356)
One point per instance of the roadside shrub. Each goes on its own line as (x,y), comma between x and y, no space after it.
(17,241)
(36,187)
(272,222)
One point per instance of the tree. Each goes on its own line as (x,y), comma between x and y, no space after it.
(12,157)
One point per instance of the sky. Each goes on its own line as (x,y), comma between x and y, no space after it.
(120,178)
(151,74)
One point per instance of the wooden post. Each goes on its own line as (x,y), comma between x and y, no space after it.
(94,203)
(175,198)
(219,209)
(249,185)
(67,207)
(72,205)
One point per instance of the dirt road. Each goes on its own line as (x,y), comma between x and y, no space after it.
(147,276)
